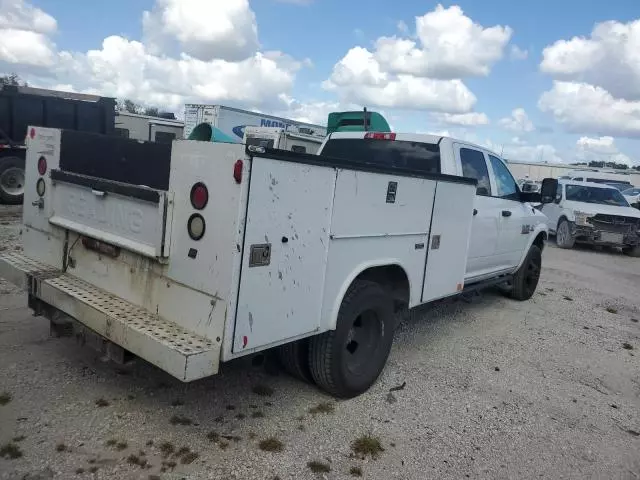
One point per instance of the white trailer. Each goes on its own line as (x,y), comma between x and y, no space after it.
(228,252)
(148,128)
(229,123)
(282,139)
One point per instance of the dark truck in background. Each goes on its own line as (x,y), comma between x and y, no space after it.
(24,106)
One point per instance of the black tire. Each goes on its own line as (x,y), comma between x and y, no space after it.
(632,251)
(564,239)
(11,193)
(346,361)
(294,358)
(526,278)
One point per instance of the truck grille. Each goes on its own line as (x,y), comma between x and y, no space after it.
(615,223)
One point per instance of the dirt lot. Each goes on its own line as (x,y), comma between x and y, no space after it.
(549,388)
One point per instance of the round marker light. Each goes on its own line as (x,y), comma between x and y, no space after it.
(40,187)
(199,196)
(196,226)
(42,165)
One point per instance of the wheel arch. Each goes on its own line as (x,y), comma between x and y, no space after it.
(538,237)
(392,275)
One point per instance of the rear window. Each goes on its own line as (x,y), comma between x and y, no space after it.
(414,155)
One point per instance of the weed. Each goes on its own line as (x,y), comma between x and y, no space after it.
(169,464)
(262,390)
(93,469)
(323,407)
(136,460)
(167,448)
(367,445)
(355,471)
(79,471)
(268,404)
(19,438)
(5,397)
(253,406)
(101,402)
(111,442)
(149,443)
(213,436)
(219,419)
(627,346)
(180,420)
(234,438)
(91,461)
(231,407)
(612,310)
(61,447)
(318,467)
(257,414)
(271,444)
(121,446)
(189,458)
(10,450)
(241,416)
(142,453)
(223,444)
(131,397)
(177,402)
(252,435)
(183,451)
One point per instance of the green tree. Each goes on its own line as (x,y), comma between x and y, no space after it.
(12,79)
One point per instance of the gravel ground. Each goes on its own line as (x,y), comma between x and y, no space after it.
(548,388)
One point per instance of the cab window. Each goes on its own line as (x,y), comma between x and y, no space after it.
(505,184)
(475,166)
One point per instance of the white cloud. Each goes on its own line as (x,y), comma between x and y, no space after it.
(18,15)
(584,108)
(402,27)
(464,119)
(358,78)
(601,149)
(517,122)
(517,53)
(608,59)
(205,29)
(424,73)
(132,69)
(532,153)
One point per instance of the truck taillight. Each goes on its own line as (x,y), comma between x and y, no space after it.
(380,136)
(42,165)
(237,171)
(199,196)
(196,226)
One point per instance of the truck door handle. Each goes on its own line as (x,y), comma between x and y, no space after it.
(475,212)
(506,213)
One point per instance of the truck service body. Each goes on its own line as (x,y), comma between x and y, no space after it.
(228,250)
(229,123)
(283,139)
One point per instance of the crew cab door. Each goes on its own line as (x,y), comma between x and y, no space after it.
(513,214)
(481,258)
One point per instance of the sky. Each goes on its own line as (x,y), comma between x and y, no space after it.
(545,81)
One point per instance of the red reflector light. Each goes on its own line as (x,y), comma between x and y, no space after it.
(100,247)
(32,132)
(199,196)
(380,136)
(42,165)
(237,171)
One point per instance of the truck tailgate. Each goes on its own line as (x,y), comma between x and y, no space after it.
(126,216)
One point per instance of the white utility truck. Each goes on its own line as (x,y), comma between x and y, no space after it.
(283,139)
(192,254)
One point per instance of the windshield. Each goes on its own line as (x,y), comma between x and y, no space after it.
(631,191)
(603,196)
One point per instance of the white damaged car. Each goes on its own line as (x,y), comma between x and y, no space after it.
(593,213)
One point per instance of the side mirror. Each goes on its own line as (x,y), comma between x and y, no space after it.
(548,190)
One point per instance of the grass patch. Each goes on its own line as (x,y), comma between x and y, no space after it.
(318,467)
(136,460)
(19,438)
(189,458)
(612,310)
(61,447)
(262,390)
(101,402)
(10,450)
(627,346)
(223,444)
(149,443)
(117,444)
(177,402)
(271,444)
(5,397)
(93,469)
(183,451)
(323,407)
(355,471)
(241,416)
(180,420)
(167,448)
(367,445)
(111,442)
(213,436)
(257,414)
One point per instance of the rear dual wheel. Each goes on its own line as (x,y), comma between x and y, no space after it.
(346,361)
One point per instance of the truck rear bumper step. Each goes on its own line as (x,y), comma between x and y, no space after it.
(170,347)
